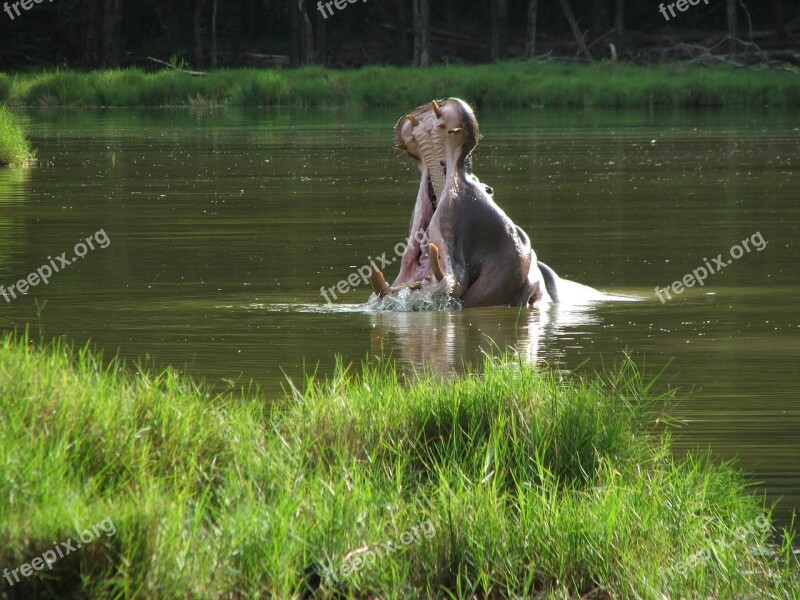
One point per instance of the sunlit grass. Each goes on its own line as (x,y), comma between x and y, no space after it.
(14,147)
(509,84)
(536,485)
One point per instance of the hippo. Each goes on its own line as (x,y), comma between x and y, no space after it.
(461,244)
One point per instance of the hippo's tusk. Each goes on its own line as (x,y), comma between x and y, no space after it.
(437,109)
(436,266)
(378,281)
(456,130)
(414,120)
(401,146)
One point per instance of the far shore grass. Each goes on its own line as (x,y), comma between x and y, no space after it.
(508,84)
(515,482)
(14,147)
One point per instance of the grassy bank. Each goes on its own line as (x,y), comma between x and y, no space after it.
(510,84)
(512,483)
(14,148)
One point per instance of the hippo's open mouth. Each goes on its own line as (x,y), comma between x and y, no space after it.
(422,258)
(422,135)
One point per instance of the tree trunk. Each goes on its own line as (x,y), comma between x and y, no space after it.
(112,24)
(94,31)
(619,24)
(198,33)
(780,21)
(307,34)
(294,24)
(422,33)
(251,17)
(403,25)
(451,15)
(599,18)
(302,34)
(733,26)
(321,40)
(575,29)
(533,14)
(214,33)
(499,14)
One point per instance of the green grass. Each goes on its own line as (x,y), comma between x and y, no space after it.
(508,84)
(516,482)
(14,148)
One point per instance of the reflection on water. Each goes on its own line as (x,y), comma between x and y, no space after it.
(12,196)
(225,224)
(443,342)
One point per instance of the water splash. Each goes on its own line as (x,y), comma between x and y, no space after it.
(418,300)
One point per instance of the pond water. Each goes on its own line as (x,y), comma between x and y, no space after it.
(223,225)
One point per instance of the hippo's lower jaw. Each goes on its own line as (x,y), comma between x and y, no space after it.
(381,288)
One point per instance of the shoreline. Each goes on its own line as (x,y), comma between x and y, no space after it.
(510,84)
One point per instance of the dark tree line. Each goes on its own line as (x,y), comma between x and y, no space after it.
(206,33)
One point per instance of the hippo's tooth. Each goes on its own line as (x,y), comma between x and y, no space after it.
(414,120)
(437,109)
(435,264)
(401,146)
(378,281)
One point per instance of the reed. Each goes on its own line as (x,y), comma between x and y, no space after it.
(531,483)
(14,148)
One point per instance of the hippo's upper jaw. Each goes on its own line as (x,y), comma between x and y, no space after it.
(469,250)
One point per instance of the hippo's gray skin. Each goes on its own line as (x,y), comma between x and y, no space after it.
(471,250)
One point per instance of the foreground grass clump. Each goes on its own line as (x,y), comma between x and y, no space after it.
(513,483)
(14,148)
(507,84)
